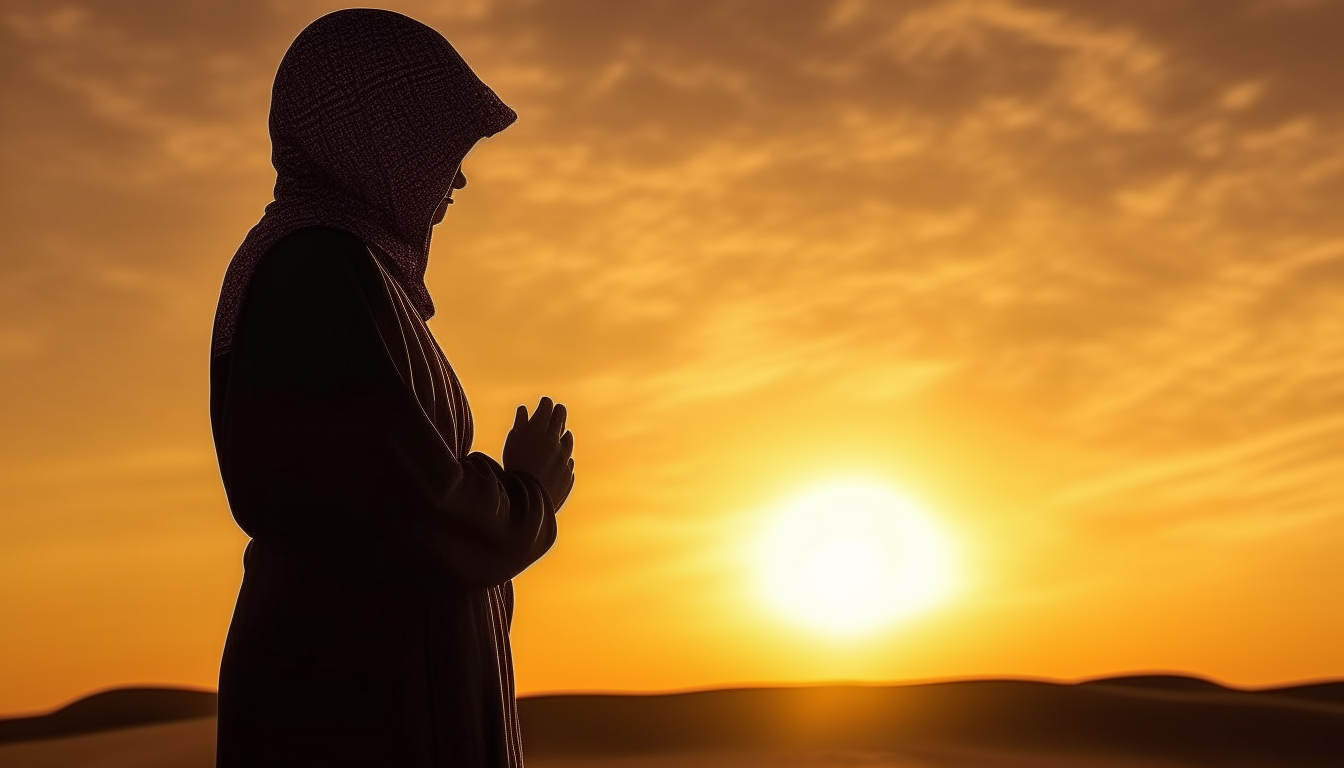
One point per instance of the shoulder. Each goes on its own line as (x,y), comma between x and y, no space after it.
(317,265)
(314,251)
(311,311)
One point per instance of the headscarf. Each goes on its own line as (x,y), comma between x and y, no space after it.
(372,113)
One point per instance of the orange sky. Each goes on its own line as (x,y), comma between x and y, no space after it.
(1071,274)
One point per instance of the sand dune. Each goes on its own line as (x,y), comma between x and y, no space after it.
(1180,720)
(1135,722)
(182,744)
(191,744)
(108,710)
(949,758)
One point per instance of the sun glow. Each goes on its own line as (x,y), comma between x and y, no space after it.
(853,557)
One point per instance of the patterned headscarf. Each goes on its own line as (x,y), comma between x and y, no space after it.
(371,115)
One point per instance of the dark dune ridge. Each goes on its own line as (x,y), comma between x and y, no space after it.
(110,710)
(1162,717)
(1195,722)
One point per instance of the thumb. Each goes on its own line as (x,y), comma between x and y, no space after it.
(520,417)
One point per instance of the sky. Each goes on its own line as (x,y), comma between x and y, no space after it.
(1067,275)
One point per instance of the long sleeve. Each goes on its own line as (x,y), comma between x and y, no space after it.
(325,449)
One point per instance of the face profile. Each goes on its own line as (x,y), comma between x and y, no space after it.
(459,182)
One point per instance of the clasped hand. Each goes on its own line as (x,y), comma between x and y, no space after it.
(542,447)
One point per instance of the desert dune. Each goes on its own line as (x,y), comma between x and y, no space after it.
(1133,722)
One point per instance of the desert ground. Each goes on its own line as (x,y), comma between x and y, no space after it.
(191,744)
(1134,722)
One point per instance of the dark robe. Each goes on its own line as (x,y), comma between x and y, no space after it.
(372,627)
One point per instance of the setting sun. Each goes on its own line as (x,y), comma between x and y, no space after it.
(853,557)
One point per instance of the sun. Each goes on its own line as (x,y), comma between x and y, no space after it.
(853,557)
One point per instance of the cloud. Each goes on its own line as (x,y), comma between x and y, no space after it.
(1112,224)
(1000,197)
(176,107)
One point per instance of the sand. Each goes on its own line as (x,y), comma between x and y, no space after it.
(852,760)
(191,744)
(1139,722)
(184,744)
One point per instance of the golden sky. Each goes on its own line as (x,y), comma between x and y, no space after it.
(1070,274)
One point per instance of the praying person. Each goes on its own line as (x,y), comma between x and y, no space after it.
(372,625)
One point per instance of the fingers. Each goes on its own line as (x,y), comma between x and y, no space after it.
(557,425)
(549,418)
(540,444)
(542,415)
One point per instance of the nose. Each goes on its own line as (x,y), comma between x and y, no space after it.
(460,180)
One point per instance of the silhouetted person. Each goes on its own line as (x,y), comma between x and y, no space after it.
(372,626)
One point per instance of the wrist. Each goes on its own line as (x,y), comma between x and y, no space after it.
(533,480)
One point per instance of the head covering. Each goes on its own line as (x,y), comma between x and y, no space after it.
(371,115)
